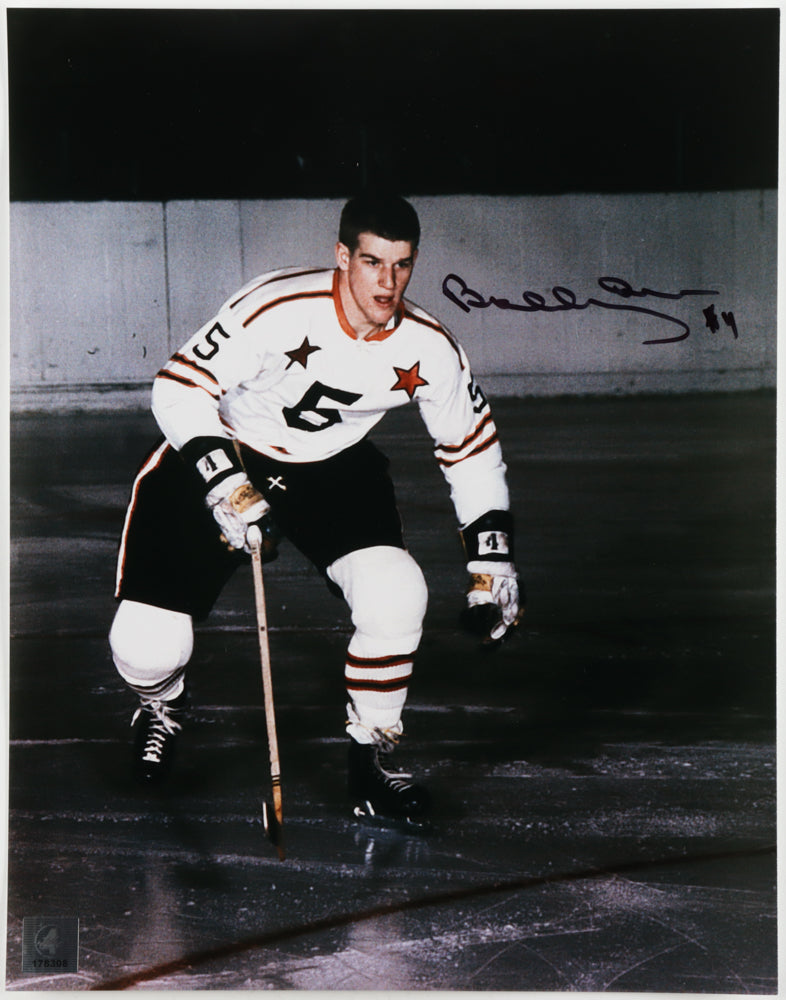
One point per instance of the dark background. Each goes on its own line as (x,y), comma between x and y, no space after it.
(157,104)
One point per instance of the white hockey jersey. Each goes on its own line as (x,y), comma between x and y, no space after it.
(279,368)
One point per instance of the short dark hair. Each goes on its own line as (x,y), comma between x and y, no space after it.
(388,216)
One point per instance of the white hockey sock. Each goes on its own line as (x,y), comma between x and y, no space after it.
(386,592)
(377,687)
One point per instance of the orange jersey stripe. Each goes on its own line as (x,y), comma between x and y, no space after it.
(476,451)
(180,359)
(468,440)
(152,462)
(187,382)
(438,329)
(279,277)
(282,300)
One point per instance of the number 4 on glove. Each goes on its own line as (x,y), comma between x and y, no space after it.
(493,607)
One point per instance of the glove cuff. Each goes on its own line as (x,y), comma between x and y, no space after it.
(490,538)
(213,458)
(486,567)
(224,490)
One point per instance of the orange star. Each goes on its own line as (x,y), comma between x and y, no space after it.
(301,354)
(408,379)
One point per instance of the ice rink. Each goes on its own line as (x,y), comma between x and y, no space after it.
(604,785)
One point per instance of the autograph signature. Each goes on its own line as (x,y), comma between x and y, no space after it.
(466,298)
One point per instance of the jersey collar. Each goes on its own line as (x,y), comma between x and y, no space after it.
(391,327)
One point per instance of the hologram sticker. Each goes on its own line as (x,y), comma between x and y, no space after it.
(50,944)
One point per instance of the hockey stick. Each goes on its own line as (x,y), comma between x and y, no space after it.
(272,816)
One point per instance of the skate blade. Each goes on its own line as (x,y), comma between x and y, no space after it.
(273,829)
(403,824)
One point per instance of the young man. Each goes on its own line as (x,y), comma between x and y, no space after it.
(265,413)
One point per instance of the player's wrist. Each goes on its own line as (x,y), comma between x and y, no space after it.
(490,539)
(487,567)
(227,488)
(215,461)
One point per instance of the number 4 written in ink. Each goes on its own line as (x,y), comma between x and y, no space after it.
(713,323)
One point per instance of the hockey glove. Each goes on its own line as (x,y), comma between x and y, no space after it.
(494,602)
(234,501)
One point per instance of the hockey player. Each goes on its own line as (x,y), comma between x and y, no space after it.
(264,411)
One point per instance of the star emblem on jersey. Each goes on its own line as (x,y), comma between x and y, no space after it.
(301,354)
(409,379)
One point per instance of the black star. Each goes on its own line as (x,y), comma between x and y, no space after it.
(301,354)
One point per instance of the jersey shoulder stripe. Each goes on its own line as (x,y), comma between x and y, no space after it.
(187,382)
(424,318)
(270,278)
(188,363)
(282,300)
(416,315)
(184,371)
(274,287)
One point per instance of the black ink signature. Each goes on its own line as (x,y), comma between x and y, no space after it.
(466,298)
(713,325)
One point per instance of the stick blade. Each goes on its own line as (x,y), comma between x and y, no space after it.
(273,829)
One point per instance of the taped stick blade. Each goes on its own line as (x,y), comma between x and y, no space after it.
(273,829)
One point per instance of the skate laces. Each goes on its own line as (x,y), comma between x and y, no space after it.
(385,739)
(385,742)
(160,710)
(162,725)
(397,781)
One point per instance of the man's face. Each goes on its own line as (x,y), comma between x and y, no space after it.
(376,276)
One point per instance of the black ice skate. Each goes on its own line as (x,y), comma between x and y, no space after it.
(154,741)
(383,797)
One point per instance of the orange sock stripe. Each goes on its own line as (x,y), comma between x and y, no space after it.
(398,684)
(379,662)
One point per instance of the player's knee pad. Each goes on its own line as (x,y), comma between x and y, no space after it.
(385,590)
(149,644)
